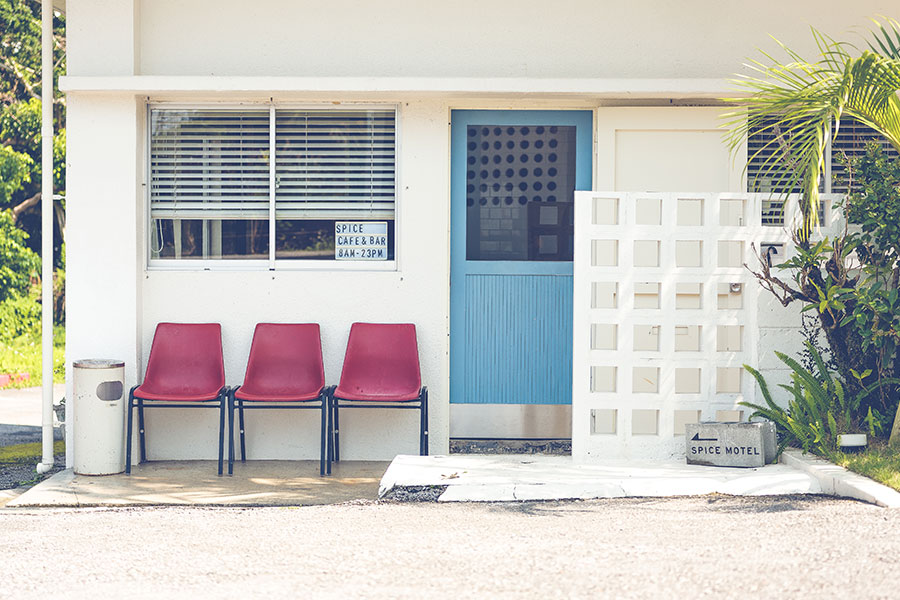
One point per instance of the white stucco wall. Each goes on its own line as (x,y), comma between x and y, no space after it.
(478,38)
(103,37)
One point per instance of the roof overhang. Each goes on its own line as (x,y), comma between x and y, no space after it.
(425,86)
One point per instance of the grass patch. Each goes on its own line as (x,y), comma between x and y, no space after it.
(879,462)
(23,453)
(23,355)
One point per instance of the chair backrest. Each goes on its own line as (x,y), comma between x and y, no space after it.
(285,358)
(382,359)
(185,359)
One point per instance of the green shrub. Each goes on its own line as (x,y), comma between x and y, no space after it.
(18,263)
(23,355)
(820,407)
(851,284)
(19,315)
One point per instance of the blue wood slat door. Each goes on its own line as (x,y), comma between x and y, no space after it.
(513,174)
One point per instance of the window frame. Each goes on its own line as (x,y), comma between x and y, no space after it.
(270,263)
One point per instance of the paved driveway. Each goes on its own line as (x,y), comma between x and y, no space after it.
(21,414)
(702,547)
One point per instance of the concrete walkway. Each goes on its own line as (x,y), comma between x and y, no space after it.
(491,478)
(498,478)
(453,478)
(254,483)
(458,478)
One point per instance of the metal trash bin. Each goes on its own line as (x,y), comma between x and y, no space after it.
(99,416)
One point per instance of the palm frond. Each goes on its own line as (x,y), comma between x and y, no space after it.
(886,40)
(803,100)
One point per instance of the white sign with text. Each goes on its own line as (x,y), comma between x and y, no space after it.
(360,240)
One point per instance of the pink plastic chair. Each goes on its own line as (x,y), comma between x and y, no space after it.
(284,371)
(381,370)
(185,370)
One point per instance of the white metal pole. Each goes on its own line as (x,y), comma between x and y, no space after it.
(47,232)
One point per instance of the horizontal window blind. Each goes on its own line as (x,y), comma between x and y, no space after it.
(209,164)
(851,139)
(333,164)
(767,143)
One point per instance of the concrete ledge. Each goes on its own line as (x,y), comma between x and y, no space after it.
(371,86)
(7,496)
(838,481)
(509,478)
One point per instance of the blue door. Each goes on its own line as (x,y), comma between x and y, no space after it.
(513,174)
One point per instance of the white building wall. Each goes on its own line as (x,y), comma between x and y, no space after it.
(479,38)
(102,37)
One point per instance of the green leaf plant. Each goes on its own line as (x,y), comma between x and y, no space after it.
(819,408)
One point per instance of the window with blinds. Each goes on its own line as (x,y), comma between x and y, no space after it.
(222,179)
(769,141)
(331,166)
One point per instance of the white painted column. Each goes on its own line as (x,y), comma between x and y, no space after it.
(103,191)
(104,239)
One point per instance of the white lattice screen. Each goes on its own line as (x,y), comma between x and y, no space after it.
(665,315)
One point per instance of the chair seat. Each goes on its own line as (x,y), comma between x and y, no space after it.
(380,396)
(277,396)
(192,396)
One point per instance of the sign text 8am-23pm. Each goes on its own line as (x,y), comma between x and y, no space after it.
(360,240)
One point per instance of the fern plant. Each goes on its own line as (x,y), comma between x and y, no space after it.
(819,409)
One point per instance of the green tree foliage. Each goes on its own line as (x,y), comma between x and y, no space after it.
(851,282)
(19,316)
(18,263)
(20,118)
(15,172)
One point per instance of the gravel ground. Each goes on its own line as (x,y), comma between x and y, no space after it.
(706,547)
(415,493)
(13,475)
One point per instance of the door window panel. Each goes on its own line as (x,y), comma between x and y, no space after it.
(520,184)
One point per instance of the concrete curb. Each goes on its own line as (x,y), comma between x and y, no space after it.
(838,481)
(7,496)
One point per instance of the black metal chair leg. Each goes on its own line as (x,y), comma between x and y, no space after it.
(143,444)
(423,423)
(221,430)
(330,440)
(240,404)
(336,431)
(323,434)
(129,432)
(231,434)
(427,426)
